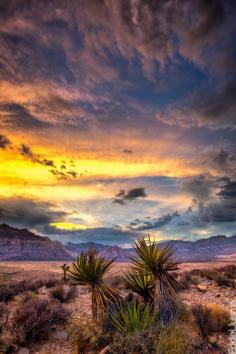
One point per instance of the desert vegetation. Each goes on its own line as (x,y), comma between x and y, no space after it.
(151,307)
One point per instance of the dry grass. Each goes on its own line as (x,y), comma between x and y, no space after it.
(35,316)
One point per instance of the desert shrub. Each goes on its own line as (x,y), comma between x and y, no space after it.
(211,319)
(185,281)
(9,290)
(185,313)
(187,278)
(222,280)
(5,347)
(6,292)
(204,320)
(136,343)
(174,339)
(29,295)
(221,317)
(209,274)
(3,314)
(86,338)
(35,316)
(51,282)
(195,279)
(230,271)
(63,293)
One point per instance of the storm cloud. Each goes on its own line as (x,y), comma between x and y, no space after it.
(129,195)
(4,141)
(33,214)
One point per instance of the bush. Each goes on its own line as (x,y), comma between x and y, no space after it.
(204,320)
(6,348)
(211,319)
(188,278)
(185,281)
(86,338)
(35,316)
(195,279)
(222,280)
(3,314)
(63,293)
(9,291)
(209,274)
(174,339)
(221,317)
(230,271)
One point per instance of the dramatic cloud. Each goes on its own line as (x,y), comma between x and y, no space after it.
(153,224)
(4,141)
(108,96)
(66,174)
(201,187)
(15,115)
(131,194)
(22,212)
(26,151)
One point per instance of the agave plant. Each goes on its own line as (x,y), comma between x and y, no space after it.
(158,263)
(90,269)
(140,283)
(132,318)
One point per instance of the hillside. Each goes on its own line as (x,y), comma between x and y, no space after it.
(186,251)
(21,244)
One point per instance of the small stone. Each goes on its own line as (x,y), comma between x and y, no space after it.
(23,351)
(202,288)
(60,335)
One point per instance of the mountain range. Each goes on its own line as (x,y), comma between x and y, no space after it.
(22,244)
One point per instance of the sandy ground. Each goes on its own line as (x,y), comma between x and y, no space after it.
(80,307)
(37,270)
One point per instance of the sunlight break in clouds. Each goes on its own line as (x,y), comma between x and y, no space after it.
(101,99)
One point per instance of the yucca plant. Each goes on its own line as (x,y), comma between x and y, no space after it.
(90,269)
(140,283)
(133,318)
(158,263)
(65,269)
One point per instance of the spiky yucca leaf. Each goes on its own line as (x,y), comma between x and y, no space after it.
(132,318)
(89,269)
(159,263)
(140,283)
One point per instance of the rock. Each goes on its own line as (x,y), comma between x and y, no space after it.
(23,351)
(60,335)
(202,288)
(218,295)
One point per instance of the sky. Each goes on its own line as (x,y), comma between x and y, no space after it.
(118,118)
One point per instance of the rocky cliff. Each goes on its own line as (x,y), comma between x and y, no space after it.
(21,244)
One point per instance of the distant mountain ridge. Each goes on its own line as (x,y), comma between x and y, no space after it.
(21,244)
(185,251)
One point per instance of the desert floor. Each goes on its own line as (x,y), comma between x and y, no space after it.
(80,307)
(22,270)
